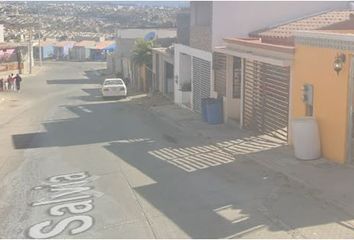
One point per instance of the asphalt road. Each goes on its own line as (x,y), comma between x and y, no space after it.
(58,125)
(75,166)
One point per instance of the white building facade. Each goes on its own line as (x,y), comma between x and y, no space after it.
(213,21)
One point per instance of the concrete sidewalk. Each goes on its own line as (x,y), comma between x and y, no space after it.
(328,182)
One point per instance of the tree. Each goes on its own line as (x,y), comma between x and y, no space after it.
(142,52)
(142,55)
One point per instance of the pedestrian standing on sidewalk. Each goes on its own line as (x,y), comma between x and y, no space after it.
(13,82)
(6,83)
(9,82)
(1,84)
(18,80)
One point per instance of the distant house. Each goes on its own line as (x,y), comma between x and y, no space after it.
(62,49)
(99,53)
(14,58)
(163,63)
(119,62)
(162,67)
(82,50)
(47,49)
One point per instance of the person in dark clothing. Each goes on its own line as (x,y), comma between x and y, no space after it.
(126,81)
(18,82)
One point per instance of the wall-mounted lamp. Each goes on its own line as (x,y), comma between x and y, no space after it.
(339,62)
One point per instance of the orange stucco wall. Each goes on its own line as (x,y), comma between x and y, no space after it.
(315,66)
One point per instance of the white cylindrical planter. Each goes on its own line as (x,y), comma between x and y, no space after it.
(306,138)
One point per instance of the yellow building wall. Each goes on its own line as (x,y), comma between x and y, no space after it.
(315,66)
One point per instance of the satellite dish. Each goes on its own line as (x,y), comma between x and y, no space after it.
(150,36)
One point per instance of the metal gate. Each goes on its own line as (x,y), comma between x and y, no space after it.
(201,81)
(266,98)
(219,68)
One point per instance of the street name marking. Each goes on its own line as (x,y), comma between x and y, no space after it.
(70,197)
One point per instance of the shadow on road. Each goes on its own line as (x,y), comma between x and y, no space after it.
(92,78)
(229,199)
(207,190)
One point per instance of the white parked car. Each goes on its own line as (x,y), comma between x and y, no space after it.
(114,87)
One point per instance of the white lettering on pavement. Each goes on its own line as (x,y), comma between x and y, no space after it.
(70,199)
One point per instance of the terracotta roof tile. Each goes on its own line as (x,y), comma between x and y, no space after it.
(86,43)
(104,44)
(311,23)
(64,43)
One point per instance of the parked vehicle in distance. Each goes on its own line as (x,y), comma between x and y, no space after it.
(114,87)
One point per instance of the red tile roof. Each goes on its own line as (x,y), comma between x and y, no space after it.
(86,44)
(258,44)
(64,43)
(46,42)
(283,34)
(104,44)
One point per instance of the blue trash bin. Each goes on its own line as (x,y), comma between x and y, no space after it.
(214,111)
(204,108)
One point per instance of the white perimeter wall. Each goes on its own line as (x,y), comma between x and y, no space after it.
(179,71)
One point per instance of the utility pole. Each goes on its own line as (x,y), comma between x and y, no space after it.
(40,49)
(30,49)
(39,39)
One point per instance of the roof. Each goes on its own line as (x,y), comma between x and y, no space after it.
(47,42)
(64,43)
(168,52)
(132,33)
(105,45)
(283,34)
(260,45)
(86,44)
(7,45)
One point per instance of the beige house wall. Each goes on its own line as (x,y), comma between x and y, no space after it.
(232,105)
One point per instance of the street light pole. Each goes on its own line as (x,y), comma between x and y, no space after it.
(30,49)
(40,49)
(39,42)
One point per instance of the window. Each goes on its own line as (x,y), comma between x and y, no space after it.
(113,82)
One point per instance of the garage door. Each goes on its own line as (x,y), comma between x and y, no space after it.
(266,98)
(201,81)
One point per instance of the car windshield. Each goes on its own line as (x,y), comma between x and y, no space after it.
(113,82)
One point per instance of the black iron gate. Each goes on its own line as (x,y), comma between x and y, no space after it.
(266,98)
